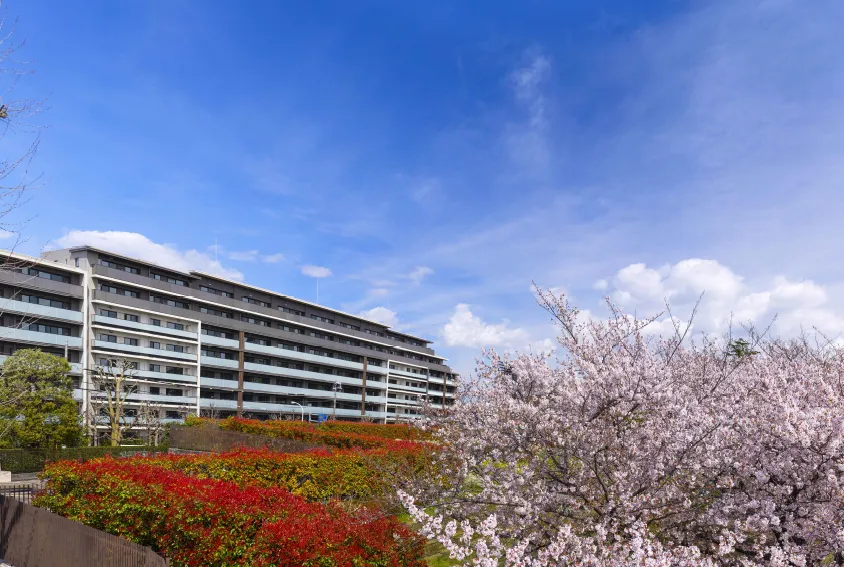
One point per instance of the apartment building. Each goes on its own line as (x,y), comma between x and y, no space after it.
(207,345)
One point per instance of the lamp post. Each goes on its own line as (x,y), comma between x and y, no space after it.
(301,408)
(337,388)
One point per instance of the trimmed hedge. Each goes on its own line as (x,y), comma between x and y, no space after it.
(204,522)
(339,435)
(34,460)
(315,475)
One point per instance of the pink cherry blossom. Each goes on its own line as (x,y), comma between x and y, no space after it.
(631,450)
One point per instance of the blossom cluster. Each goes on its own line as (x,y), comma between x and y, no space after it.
(631,449)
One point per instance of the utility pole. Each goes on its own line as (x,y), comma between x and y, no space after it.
(337,388)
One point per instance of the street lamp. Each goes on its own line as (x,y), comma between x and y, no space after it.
(337,388)
(301,408)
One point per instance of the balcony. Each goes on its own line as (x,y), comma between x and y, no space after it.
(407,388)
(146,351)
(115,322)
(207,403)
(405,373)
(219,341)
(137,398)
(219,362)
(39,311)
(315,358)
(14,334)
(295,373)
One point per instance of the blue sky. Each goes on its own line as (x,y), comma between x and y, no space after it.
(437,157)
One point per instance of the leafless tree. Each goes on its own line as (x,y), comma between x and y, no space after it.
(107,398)
(149,421)
(18,129)
(211,412)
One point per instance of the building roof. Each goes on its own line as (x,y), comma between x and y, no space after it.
(197,274)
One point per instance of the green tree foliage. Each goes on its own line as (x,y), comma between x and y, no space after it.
(37,409)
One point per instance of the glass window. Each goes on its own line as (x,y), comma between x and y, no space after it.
(128,341)
(155,368)
(175,348)
(108,338)
(154,390)
(129,317)
(176,326)
(107,313)
(156,322)
(175,370)
(154,344)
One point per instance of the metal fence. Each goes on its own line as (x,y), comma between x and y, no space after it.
(35,537)
(20,492)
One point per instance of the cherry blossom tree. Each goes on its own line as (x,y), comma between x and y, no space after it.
(631,449)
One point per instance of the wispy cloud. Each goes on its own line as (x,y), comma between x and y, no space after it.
(316,271)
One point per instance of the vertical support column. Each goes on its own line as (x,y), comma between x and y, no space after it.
(363,392)
(240,358)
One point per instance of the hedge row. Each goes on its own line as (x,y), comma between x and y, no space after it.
(204,522)
(315,475)
(334,435)
(34,460)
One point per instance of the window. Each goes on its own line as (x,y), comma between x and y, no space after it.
(207,289)
(76,261)
(176,326)
(257,341)
(129,317)
(130,342)
(170,302)
(175,370)
(254,301)
(168,279)
(175,348)
(173,392)
(119,291)
(154,390)
(154,344)
(216,333)
(323,319)
(255,321)
(292,311)
(217,312)
(371,332)
(106,362)
(109,264)
(155,322)
(290,329)
(44,301)
(172,414)
(107,313)
(108,338)
(217,354)
(348,326)
(47,275)
(155,368)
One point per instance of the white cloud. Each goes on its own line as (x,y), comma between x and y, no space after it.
(136,245)
(419,273)
(244,256)
(466,329)
(272,258)
(4,234)
(381,315)
(601,285)
(379,292)
(796,304)
(316,271)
